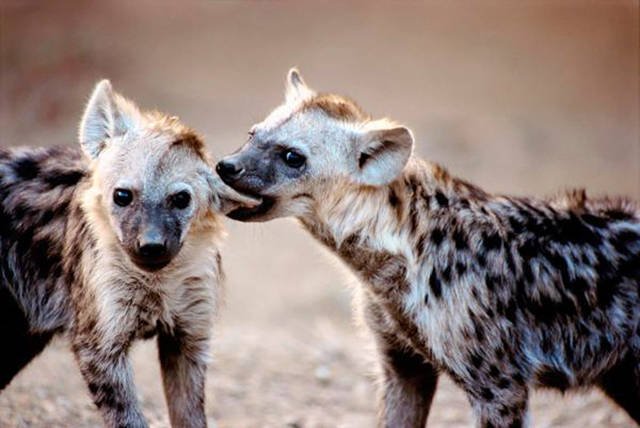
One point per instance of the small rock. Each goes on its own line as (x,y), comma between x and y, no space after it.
(323,374)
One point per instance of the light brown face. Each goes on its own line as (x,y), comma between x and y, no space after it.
(151,178)
(305,145)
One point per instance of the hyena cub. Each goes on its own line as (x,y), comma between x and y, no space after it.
(500,293)
(111,245)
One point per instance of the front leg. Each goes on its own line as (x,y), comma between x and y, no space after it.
(183,347)
(183,360)
(105,367)
(409,383)
(494,407)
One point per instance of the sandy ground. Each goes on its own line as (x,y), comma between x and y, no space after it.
(520,97)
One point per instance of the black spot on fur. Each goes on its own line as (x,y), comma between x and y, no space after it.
(487,394)
(518,378)
(435,284)
(442,200)
(510,311)
(494,372)
(490,281)
(446,274)
(461,268)
(478,330)
(491,241)
(68,178)
(26,168)
(476,360)
(413,216)
(460,240)
(553,378)
(421,244)
(511,265)
(504,383)
(393,198)
(481,258)
(437,236)
(517,226)
(528,249)
(573,230)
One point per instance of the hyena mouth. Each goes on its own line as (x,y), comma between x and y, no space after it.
(247,214)
(151,265)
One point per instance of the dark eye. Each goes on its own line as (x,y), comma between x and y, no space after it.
(181,200)
(122,197)
(293,159)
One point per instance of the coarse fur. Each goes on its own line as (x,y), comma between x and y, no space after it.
(75,262)
(501,293)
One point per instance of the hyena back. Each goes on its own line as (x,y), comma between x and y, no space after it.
(500,293)
(111,245)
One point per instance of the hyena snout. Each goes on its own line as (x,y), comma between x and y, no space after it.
(229,170)
(247,173)
(152,250)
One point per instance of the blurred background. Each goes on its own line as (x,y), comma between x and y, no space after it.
(524,97)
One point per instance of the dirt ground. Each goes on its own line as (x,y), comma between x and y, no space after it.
(525,97)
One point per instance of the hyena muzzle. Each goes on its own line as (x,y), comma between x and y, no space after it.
(110,243)
(500,293)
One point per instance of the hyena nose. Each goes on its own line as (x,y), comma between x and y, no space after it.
(152,250)
(228,171)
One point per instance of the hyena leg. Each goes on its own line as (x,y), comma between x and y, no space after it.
(20,346)
(409,383)
(106,369)
(183,360)
(622,385)
(496,408)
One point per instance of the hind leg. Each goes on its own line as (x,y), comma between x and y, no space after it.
(622,385)
(19,346)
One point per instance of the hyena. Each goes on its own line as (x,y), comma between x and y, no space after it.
(500,293)
(113,242)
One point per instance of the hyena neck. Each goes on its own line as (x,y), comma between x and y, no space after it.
(381,232)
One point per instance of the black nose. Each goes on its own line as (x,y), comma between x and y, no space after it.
(152,251)
(228,170)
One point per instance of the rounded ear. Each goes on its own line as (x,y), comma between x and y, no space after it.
(222,197)
(383,151)
(107,115)
(296,88)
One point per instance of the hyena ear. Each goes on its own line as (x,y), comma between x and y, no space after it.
(383,151)
(296,87)
(106,116)
(223,198)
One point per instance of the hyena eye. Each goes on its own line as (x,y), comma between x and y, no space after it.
(122,197)
(181,200)
(293,159)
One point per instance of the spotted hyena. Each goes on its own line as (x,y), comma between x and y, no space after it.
(500,293)
(113,243)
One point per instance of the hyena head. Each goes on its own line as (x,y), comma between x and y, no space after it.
(310,145)
(151,181)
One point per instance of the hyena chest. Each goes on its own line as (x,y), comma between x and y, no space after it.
(143,311)
(438,330)
(438,319)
